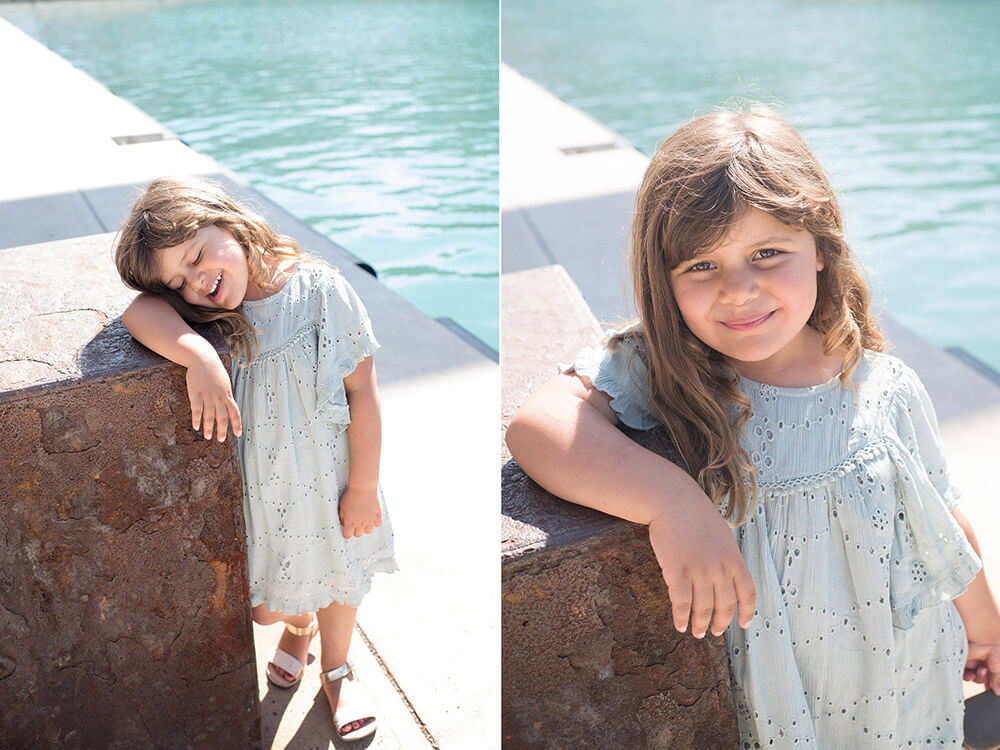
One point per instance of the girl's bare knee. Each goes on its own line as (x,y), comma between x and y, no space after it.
(263,616)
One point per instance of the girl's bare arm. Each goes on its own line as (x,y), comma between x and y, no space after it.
(565,438)
(360,512)
(981,616)
(156,325)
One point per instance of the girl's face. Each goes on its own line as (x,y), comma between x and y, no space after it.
(209,270)
(749,297)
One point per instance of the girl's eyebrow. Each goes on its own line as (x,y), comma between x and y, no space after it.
(772,238)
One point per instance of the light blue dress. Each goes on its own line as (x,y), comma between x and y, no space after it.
(294,452)
(855,642)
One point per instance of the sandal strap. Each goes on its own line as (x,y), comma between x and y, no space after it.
(284,660)
(300,631)
(337,673)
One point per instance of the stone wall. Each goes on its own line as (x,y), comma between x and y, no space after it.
(124,619)
(590,655)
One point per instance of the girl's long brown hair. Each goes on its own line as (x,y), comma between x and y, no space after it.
(701,181)
(170,211)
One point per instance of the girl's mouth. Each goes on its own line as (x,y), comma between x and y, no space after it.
(215,289)
(746,325)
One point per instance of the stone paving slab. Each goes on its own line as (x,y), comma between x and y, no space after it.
(436,623)
(567,190)
(299,718)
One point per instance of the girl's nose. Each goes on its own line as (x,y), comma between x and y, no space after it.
(204,284)
(738,286)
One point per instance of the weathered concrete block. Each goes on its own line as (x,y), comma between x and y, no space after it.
(590,655)
(124,619)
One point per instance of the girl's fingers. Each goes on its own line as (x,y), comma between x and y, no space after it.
(234,417)
(993,660)
(221,424)
(746,595)
(702,604)
(680,602)
(725,607)
(369,528)
(196,410)
(208,422)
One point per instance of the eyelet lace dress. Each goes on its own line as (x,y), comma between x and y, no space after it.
(855,556)
(294,451)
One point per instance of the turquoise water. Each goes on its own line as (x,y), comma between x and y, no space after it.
(376,121)
(900,101)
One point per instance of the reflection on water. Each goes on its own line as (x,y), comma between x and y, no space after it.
(898,99)
(373,120)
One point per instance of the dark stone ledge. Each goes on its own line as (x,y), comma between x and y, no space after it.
(590,656)
(124,619)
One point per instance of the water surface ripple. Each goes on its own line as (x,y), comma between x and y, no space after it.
(899,99)
(376,121)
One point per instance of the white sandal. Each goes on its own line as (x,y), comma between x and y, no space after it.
(284,660)
(353,704)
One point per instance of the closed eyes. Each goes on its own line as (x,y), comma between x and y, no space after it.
(196,261)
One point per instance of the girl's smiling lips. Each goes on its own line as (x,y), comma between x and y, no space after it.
(747,323)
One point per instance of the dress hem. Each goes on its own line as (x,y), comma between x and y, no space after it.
(318,601)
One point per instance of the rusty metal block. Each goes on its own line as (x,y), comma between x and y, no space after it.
(590,655)
(124,617)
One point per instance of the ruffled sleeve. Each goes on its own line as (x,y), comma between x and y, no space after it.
(932,561)
(345,338)
(620,373)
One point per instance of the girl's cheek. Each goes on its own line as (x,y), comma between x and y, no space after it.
(698,299)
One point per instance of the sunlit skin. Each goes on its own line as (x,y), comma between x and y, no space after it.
(750,297)
(194,267)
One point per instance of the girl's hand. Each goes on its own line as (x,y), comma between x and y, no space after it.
(981,617)
(565,437)
(360,512)
(211,393)
(983,664)
(705,573)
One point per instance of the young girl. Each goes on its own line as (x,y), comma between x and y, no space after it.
(757,350)
(303,403)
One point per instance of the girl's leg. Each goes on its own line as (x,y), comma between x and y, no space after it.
(296,645)
(336,624)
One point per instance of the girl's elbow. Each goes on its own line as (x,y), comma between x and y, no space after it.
(128,319)
(519,433)
(136,310)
